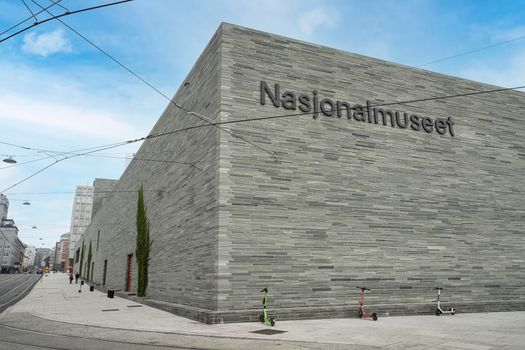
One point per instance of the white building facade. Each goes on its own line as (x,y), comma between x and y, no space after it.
(29,257)
(11,248)
(62,253)
(80,215)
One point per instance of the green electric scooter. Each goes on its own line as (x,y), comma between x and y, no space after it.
(264,317)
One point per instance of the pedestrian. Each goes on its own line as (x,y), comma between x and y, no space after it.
(77,276)
(70,278)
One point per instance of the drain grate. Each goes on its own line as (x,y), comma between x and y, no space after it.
(134,305)
(268,331)
(110,310)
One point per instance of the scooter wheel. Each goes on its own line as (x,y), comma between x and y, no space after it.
(374,316)
(261,318)
(438,312)
(272,322)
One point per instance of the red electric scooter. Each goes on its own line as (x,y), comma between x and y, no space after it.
(362,313)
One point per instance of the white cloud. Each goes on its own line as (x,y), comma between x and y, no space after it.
(311,20)
(46,44)
(74,105)
(64,118)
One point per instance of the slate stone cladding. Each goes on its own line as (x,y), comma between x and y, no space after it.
(344,204)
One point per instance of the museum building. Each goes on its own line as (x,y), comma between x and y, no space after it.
(311,171)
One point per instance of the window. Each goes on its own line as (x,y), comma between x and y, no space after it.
(6,254)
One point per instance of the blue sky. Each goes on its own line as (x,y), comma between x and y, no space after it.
(59,93)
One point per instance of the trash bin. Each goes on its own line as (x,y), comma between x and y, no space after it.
(91,288)
(81,283)
(111,293)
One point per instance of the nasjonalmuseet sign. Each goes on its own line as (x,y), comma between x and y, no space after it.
(363,113)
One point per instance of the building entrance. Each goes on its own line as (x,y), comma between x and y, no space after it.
(129,273)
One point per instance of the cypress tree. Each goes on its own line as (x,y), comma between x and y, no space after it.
(143,244)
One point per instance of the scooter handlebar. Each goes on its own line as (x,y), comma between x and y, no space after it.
(265,290)
(363,288)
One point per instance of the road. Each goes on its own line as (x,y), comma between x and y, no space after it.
(12,338)
(14,287)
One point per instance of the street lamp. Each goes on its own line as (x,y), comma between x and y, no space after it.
(10,160)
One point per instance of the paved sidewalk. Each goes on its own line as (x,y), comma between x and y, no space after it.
(55,299)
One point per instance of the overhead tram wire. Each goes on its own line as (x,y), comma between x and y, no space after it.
(146,160)
(255,119)
(54,152)
(58,161)
(206,119)
(73,192)
(59,152)
(23,163)
(470,51)
(32,14)
(104,156)
(78,155)
(16,155)
(27,19)
(310,113)
(67,10)
(57,17)
(152,136)
(53,155)
(15,145)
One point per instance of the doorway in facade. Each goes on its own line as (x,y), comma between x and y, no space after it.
(104,274)
(129,273)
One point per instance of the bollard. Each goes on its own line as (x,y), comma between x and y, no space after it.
(91,288)
(111,293)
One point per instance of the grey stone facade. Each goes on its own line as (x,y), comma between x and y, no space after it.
(102,188)
(344,203)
